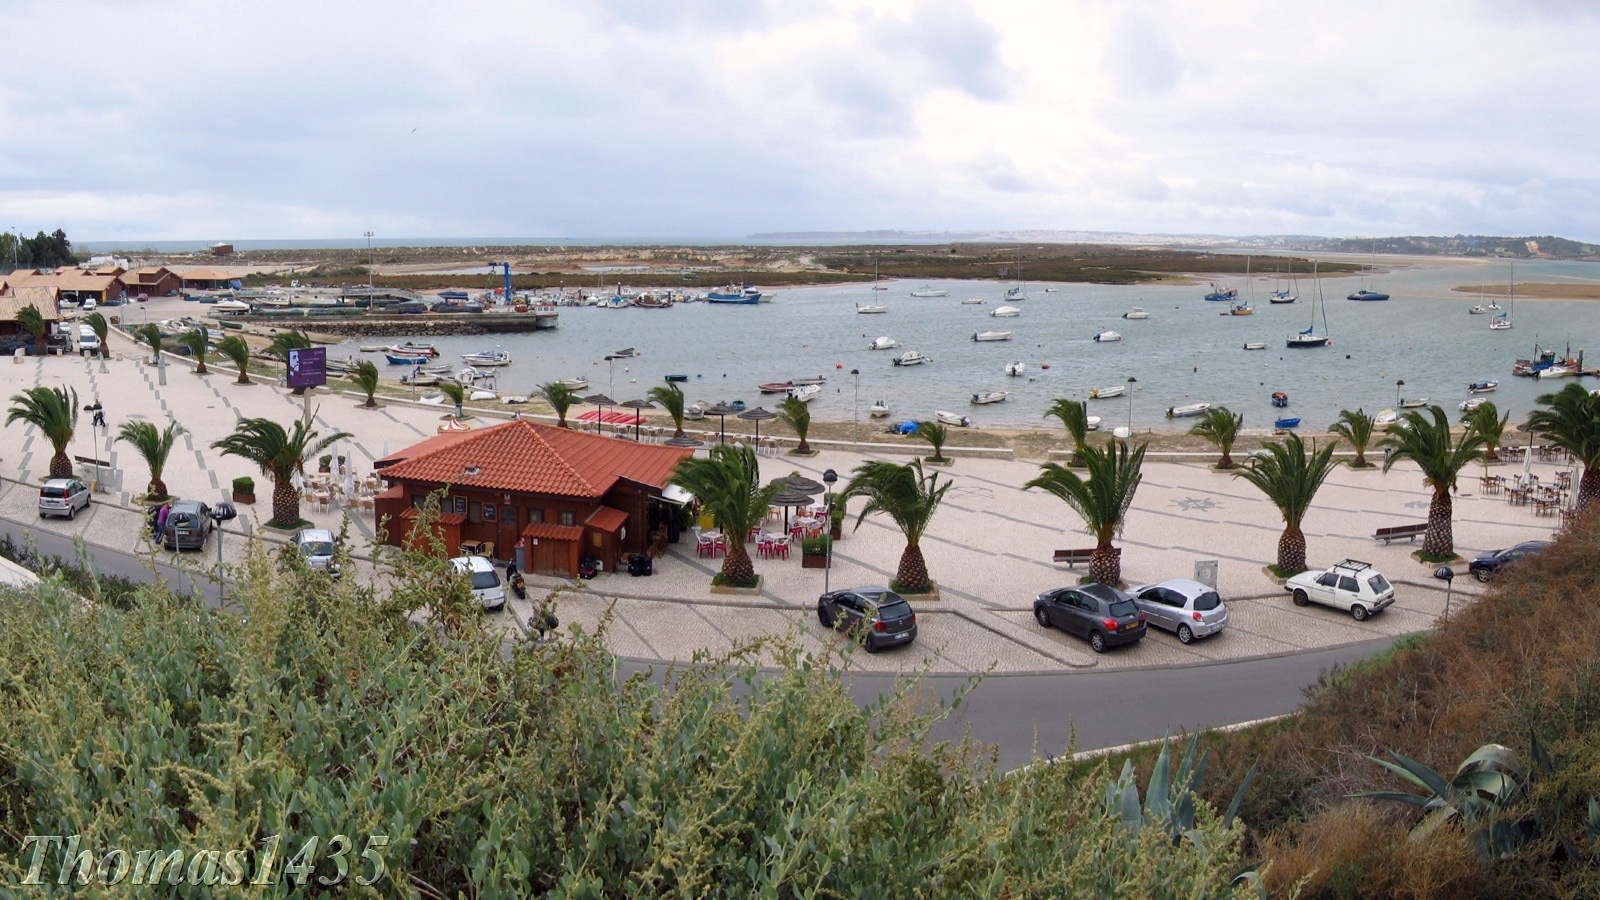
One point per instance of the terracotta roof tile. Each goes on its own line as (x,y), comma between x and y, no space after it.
(552,532)
(530,457)
(604,518)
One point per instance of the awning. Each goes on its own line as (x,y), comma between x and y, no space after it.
(607,519)
(674,494)
(548,531)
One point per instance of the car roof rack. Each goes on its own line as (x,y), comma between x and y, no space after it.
(1354,565)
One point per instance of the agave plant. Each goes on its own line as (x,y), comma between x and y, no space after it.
(1486,785)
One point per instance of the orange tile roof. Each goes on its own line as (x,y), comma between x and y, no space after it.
(551,532)
(529,457)
(604,518)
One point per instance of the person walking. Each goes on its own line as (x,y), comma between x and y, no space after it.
(99,420)
(161,520)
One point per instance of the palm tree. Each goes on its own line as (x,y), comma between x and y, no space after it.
(280,454)
(1102,499)
(365,376)
(670,396)
(1290,477)
(456,391)
(1221,428)
(1441,457)
(794,413)
(1572,423)
(32,321)
(728,485)
(102,331)
(197,341)
(54,411)
(560,397)
(1074,416)
(935,434)
(150,333)
(237,352)
(287,340)
(910,498)
(1488,422)
(1355,427)
(154,446)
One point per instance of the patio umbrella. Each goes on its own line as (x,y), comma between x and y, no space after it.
(637,405)
(794,490)
(684,441)
(722,411)
(757,415)
(601,401)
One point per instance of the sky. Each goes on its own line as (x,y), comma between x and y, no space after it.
(715,119)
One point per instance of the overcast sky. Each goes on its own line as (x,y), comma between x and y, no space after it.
(194,119)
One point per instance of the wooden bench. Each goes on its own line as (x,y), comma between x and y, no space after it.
(1394,532)
(1072,557)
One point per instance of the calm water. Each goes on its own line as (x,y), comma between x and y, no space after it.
(1184,353)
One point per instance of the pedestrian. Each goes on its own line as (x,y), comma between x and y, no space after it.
(153,514)
(99,420)
(161,519)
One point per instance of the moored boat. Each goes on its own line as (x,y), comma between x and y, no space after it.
(1015,369)
(950,418)
(1242,309)
(231,306)
(1501,322)
(878,409)
(1106,336)
(1136,313)
(1413,402)
(911,358)
(883,342)
(991,336)
(1365,294)
(1217,293)
(487,358)
(1482,387)
(1255,345)
(1280,399)
(870,310)
(1189,409)
(776,387)
(1105,393)
(694,412)
(1005,312)
(805,393)
(986,397)
(734,293)
(1286,423)
(807,379)
(1385,417)
(574,384)
(929,292)
(972,301)
(1472,403)
(677,378)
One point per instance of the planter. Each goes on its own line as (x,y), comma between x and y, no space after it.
(241,497)
(747,591)
(932,596)
(819,561)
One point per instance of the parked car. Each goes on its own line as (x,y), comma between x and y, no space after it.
(63,497)
(1350,585)
(1490,564)
(1182,606)
(1099,612)
(878,616)
(88,341)
(486,586)
(317,546)
(188,525)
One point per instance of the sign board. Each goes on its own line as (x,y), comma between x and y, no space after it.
(308,368)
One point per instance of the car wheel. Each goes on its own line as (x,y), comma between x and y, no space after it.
(872,646)
(1097,642)
(1359,612)
(1185,634)
(1042,616)
(1300,598)
(824,618)
(72,512)
(1482,575)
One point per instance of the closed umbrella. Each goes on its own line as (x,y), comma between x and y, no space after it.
(637,405)
(601,401)
(722,411)
(757,415)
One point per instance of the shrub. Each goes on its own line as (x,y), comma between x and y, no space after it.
(244,484)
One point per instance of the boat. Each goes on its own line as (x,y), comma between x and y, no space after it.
(1482,387)
(983,398)
(482,394)
(911,358)
(677,378)
(231,306)
(1015,369)
(878,409)
(487,358)
(1413,402)
(1500,323)
(1368,294)
(624,353)
(1242,309)
(776,387)
(973,301)
(1385,417)
(1216,293)
(694,412)
(884,342)
(402,359)
(876,285)
(929,292)
(1289,294)
(735,294)
(991,336)
(1472,403)
(1019,291)
(950,418)
(870,310)
(1005,312)
(736,405)
(805,393)
(1309,337)
(468,375)
(1558,371)
(456,295)
(1255,345)
(1106,393)
(1191,409)
(574,384)
(1102,337)
(1136,313)
(515,398)
(1480,309)
(409,348)
(421,379)
(1091,423)
(1286,423)
(1280,399)
(432,398)
(807,379)
(651,301)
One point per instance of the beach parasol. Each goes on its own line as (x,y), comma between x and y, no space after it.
(794,489)
(722,411)
(601,401)
(453,424)
(684,441)
(637,405)
(757,415)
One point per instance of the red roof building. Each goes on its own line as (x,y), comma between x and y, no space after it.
(558,493)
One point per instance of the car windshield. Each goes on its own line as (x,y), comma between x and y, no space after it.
(485,579)
(317,548)
(1122,608)
(896,609)
(1378,583)
(1207,601)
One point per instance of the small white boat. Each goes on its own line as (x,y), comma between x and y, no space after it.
(467,375)
(1255,345)
(1385,417)
(973,301)
(1005,312)
(482,394)
(1413,402)
(985,397)
(373,348)
(1136,313)
(1191,409)
(235,307)
(1015,369)
(694,412)
(1103,337)
(883,343)
(1106,393)
(929,292)
(1480,309)
(950,418)
(805,393)
(1091,423)
(992,336)
(1472,403)
(1558,371)
(870,310)
(878,409)
(574,384)
(421,378)
(1482,387)
(432,398)
(911,358)
(514,398)
(487,358)
(1500,323)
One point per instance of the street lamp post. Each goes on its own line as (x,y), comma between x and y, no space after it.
(855,429)
(1448,575)
(1131,382)
(1398,384)
(369,265)
(828,478)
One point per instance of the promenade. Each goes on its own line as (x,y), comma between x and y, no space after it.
(989,546)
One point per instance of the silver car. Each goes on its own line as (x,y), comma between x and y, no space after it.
(1182,606)
(63,497)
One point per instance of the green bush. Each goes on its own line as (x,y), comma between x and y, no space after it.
(815,546)
(244,484)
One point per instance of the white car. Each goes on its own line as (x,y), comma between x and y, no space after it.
(1350,585)
(486,587)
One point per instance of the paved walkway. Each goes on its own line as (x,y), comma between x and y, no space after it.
(989,546)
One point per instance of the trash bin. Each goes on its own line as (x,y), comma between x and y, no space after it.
(1205,572)
(1388,453)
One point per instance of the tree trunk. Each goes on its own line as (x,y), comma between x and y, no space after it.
(1105,566)
(1227,460)
(804,447)
(60,465)
(737,569)
(285,503)
(1588,488)
(1440,539)
(1361,458)
(1490,455)
(201,368)
(913,572)
(244,375)
(1292,550)
(157,489)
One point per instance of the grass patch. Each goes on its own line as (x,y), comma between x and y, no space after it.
(1279,572)
(1434,560)
(894,585)
(720,581)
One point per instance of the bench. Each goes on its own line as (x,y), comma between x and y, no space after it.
(1072,557)
(1394,532)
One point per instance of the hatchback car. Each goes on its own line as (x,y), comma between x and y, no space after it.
(188,525)
(317,547)
(1350,585)
(1182,606)
(63,497)
(1099,612)
(1490,564)
(486,586)
(878,616)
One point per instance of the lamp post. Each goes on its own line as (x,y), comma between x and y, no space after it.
(1398,384)
(369,265)
(1131,382)
(828,478)
(855,428)
(1448,575)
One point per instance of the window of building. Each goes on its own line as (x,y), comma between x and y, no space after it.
(475,512)
(461,505)
(490,514)
(568,517)
(535,516)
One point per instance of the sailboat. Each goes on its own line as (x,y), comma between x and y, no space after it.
(876,284)
(1502,322)
(1364,293)
(1309,337)
(1289,294)
(1020,291)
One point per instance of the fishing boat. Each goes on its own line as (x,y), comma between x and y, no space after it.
(1187,410)
(929,292)
(911,358)
(1472,403)
(1005,312)
(1107,336)
(575,384)
(991,336)
(1015,369)
(487,358)
(1280,399)
(805,393)
(1482,387)
(1255,345)
(1385,417)
(1413,402)
(1286,423)
(983,398)
(883,342)
(776,387)
(1309,337)
(1216,293)
(1136,313)
(950,418)
(677,378)
(870,310)
(973,301)
(878,409)
(1106,393)
(735,294)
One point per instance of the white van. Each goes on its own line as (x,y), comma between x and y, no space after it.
(485,580)
(88,341)
(88,304)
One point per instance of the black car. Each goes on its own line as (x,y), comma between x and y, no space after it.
(878,616)
(1099,612)
(1491,563)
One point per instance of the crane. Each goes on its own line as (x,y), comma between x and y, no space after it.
(505,268)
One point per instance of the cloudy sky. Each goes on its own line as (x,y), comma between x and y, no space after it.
(193,119)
